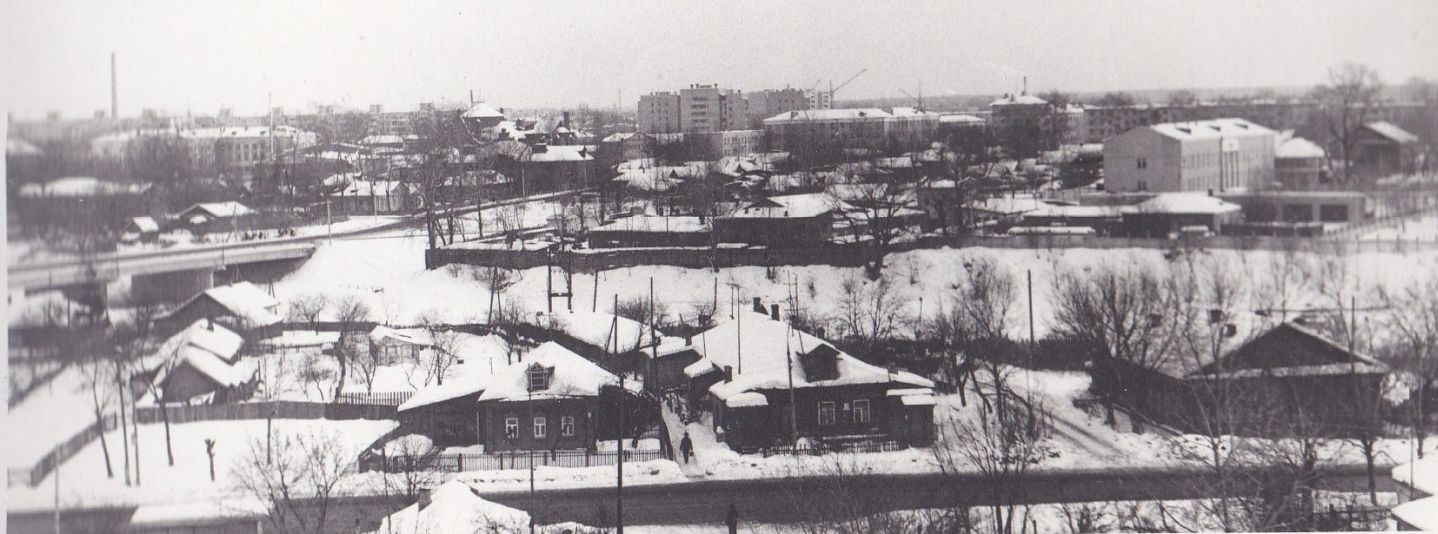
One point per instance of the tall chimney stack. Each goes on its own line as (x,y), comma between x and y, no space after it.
(114,91)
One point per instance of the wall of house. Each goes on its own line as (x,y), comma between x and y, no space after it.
(494,415)
(752,427)
(1141,160)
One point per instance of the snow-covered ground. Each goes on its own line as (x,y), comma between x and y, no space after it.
(389,274)
(83,482)
(284,377)
(51,414)
(1406,229)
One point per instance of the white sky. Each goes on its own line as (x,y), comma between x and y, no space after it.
(186,55)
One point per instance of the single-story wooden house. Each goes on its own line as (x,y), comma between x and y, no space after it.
(765,382)
(391,346)
(1383,148)
(1287,380)
(547,401)
(787,220)
(140,229)
(241,307)
(198,361)
(207,212)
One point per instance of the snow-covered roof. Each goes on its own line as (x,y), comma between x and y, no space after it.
(205,335)
(918,400)
(223,373)
(412,336)
(1298,148)
(78,186)
(1011,205)
(778,207)
(809,115)
(455,507)
(570,376)
(480,110)
(1018,99)
(370,188)
(481,356)
(15,146)
(1392,132)
(1185,204)
(752,399)
(598,328)
(186,515)
(1210,129)
(655,223)
(218,210)
(1075,211)
(145,224)
(245,301)
(771,351)
(1422,475)
(553,153)
(961,119)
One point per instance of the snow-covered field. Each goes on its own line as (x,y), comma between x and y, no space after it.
(83,482)
(389,274)
(50,415)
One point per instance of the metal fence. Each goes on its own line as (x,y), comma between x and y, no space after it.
(821,448)
(514,460)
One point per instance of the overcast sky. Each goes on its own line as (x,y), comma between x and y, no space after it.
(200,56)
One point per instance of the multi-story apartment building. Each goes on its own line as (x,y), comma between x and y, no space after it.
(771,102)
(659,113)
(707,108)
(1217,156)
(874,128)
(1302,116)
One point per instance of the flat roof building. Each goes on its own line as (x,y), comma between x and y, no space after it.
(1202,156)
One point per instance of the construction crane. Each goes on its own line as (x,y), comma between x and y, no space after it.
(834,89)
(918,100)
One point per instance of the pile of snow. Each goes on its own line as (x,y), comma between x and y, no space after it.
(455,507)
(1422,475)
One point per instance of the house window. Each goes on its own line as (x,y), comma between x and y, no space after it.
(861,411)
(538,378)
(826,413)
(511,427)
(541,427)
(566,425)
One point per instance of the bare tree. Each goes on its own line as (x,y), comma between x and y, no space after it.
(1345,97)
(350,313)
(869,310)
(300,484)
(876,214)
(308,308)
(1413,318)
(1128,315)
(95,371)
(410,462)
(974,319)
(443,344)
(498,281)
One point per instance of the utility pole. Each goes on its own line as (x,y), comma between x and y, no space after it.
(1031,306)
(619,462)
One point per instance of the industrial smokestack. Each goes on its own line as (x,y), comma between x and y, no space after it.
(114,90)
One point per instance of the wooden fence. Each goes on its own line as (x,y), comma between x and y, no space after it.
(513,460)
(388,398)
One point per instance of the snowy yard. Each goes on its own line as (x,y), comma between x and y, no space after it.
(50,415)
(83,481)
(304,374)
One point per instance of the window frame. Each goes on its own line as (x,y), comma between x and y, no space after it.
(831,409)
(566,425)
(867,411)
(511,428)
(540,426)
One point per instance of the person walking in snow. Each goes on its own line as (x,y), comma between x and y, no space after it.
(731,519)
(686,447)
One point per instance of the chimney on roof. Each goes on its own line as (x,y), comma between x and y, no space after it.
(210,324)
(728,373)
(774,311)
(1025,86)
(758,306)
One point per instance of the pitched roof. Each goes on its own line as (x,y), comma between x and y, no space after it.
(1184,203)
(1392,132)
(480,110)
(782,206)
(202,335)
(771,351)
(145,224)
(571,376)
(412,336)
(553,153)
(1298,148)
(243,300)
(219,210)
(481,356)
(1291,349)
(598,328)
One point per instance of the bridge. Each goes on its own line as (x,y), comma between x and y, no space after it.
(112,266)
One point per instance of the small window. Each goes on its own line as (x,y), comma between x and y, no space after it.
(511,427)
(826,413)
(566,425)
(861,411)
(538,378)
(541,427)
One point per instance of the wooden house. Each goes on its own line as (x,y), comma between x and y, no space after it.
(241,307)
